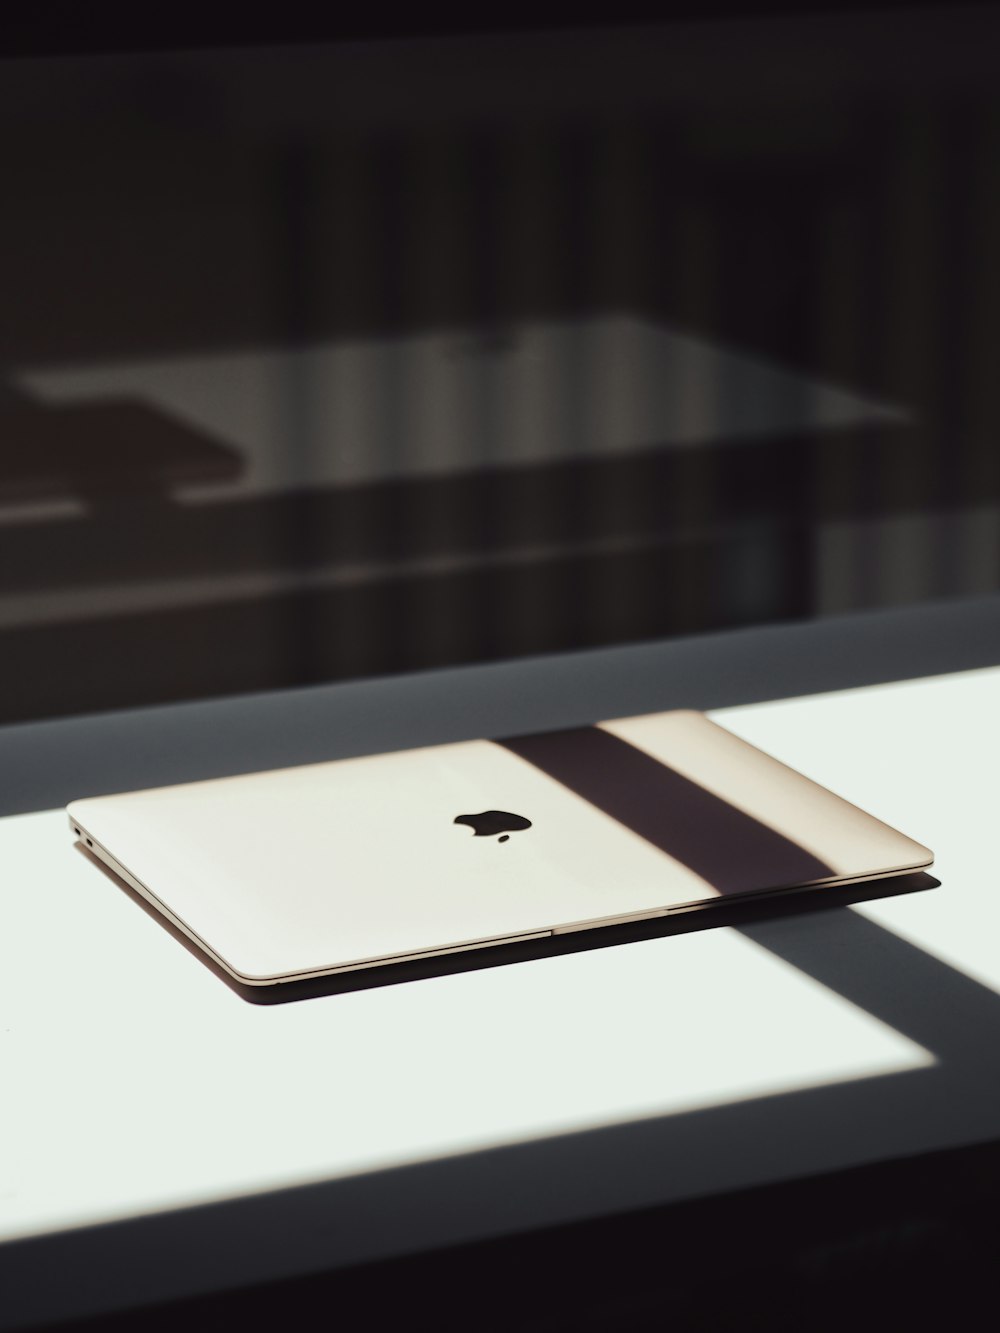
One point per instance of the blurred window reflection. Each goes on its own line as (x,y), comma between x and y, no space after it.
(368,358)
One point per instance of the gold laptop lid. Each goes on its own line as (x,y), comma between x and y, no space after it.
(327,867)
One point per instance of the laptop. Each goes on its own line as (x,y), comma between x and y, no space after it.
(325,868)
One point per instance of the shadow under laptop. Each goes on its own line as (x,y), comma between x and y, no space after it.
(747,914)
(744,915)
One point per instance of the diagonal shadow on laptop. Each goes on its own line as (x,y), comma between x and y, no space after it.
(740,856)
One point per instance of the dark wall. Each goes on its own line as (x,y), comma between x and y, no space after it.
(547,340)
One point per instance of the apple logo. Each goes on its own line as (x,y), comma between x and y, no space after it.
(494,821)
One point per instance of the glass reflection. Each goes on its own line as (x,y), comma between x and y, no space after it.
(369,358)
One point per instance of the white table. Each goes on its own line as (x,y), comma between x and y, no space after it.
(162,1137)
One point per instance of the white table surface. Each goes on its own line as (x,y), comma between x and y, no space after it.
(161,1136)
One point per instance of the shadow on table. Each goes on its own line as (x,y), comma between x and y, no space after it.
(620,1173)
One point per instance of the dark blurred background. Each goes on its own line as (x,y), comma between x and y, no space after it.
(335,351)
